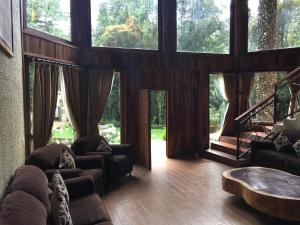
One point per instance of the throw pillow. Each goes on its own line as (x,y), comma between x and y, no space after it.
(296,147)
(103,146)
(282,142)
(66,160)
(59,186)
(60,210)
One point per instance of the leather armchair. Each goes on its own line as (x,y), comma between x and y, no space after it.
(118,162)
(47,158)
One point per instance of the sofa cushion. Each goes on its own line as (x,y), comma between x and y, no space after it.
(270,158)
(60,212)
(292,164)
(48,156)
(282,143)
(66,160)
(86,144)
(93,211)
(296,147)
(58,185)
(21,208)
(32,180)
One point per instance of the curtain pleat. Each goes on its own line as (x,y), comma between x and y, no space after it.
(44,102)
(246,86)
(100,83)
(231,92)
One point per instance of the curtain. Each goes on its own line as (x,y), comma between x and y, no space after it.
(294,87)
(100,83)
(44,102)
(231,92)
(246,81)
(76,96)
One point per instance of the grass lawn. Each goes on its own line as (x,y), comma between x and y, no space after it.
(157,134)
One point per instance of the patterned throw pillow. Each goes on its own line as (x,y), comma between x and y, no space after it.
(59,184)
(282,142)
(66,160)
(103,146)
(59,202)
(296,147)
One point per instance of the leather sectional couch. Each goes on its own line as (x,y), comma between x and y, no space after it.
(263,153)
(28,200)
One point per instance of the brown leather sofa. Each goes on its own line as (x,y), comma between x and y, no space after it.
(263,153)
(28,200)
(118,163)
(47,159)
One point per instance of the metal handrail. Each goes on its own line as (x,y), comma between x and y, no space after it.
(252,112)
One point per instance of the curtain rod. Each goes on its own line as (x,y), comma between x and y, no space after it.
(73,65)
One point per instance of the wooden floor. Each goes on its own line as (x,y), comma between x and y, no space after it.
(180,192)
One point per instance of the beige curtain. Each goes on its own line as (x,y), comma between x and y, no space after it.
(76,95)
(100,82)
(246,81)
(44,102)
(231,92)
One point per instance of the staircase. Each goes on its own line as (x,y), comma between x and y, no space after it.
(234,150)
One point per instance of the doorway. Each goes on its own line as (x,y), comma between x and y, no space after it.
(158,126)
(217,105)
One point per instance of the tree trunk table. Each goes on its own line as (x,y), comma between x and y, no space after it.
(270,191)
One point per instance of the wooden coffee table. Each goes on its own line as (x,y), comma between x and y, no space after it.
(271,191)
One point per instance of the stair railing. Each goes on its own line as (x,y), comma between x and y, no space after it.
(245,122)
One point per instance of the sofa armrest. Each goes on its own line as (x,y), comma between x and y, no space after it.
(262,144)
(90,162)
(65,173)
(80,186)
(121,149)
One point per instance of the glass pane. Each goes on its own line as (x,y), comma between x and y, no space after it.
(50,16)
(111,120)
(273,24)
(124,24)
(203,26)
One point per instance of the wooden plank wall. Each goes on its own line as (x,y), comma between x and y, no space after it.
(164,69)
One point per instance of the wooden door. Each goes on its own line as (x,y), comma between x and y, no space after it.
(144,156)
(180,124)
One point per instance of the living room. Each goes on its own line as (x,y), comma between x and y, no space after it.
(164,108)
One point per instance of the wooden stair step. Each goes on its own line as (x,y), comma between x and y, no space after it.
(232,140)
(253,133)
(225,147)
(225,158)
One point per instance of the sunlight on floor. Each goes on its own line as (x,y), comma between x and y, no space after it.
(158,152)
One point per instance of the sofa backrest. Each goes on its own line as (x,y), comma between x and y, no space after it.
(292,134)
(47,157)
(86,144)
(28,200)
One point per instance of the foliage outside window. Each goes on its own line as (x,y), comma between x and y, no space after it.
(50,16)
(217,104)
(273,24)
(125,24)
(203,26)
(111,121)
(158,115)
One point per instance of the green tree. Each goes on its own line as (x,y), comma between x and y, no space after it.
(200,27)
(44,15)
(129,24)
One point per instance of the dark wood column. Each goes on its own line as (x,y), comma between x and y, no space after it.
(168,31)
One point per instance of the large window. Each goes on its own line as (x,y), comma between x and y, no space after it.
(273,24)
(203,26)
(125,24)
(50,16)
